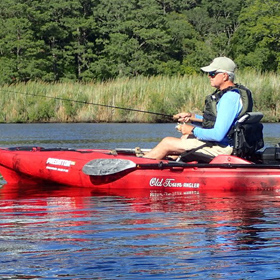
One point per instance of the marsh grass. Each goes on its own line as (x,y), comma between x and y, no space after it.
(77,102)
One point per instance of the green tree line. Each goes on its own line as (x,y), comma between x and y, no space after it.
(86,40)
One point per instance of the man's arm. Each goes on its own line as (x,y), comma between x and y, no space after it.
(228,109)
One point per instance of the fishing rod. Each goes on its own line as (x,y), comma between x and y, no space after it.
(97,104)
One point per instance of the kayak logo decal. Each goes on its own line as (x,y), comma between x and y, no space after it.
(170,183)
(59,162)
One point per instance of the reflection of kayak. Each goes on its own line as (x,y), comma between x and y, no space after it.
(102,169)
(51,202)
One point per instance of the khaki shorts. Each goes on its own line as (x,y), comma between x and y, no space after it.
(212,148)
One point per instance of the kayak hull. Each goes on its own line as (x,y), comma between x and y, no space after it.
(65,167)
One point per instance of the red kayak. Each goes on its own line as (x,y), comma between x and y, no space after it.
(104,169)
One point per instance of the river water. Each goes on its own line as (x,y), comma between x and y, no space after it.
(71,233)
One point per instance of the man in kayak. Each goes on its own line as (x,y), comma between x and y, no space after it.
(222,108)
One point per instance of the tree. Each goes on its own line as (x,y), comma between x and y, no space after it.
(67,28)
(54,40)
(20,51)
(216,23)
(256,42)
(133,37)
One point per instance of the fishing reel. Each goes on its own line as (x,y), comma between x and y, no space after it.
(184,120)
(179,125)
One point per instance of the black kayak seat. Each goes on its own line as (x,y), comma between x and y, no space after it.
(247,135)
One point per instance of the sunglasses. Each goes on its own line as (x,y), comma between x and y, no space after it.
(213,74)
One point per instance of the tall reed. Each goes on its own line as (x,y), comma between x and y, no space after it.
(43,102)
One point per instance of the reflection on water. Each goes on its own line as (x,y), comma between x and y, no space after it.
(55,232)
(81,234)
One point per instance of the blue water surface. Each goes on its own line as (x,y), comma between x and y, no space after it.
(56,232)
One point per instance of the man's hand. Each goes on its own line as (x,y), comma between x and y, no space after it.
(185,128)
(183,117)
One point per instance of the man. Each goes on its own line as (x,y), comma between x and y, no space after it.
(222,108)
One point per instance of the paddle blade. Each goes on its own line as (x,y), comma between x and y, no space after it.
(103,167)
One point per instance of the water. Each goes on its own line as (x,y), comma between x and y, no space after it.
(71,233)
(85,135)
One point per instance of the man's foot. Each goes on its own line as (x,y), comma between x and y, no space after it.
(138,152)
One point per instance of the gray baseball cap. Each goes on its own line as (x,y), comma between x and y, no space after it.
(220,64)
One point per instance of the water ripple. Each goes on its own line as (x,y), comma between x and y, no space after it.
(152,236)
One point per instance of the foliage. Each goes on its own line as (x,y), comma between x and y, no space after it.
(90,40)
(257,40)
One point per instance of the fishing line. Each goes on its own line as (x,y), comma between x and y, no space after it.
(96,104)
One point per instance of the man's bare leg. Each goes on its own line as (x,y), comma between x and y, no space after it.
(168,145)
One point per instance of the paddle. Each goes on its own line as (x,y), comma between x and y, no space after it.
(103,167)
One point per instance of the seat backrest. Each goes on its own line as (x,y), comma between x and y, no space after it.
(247,135)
